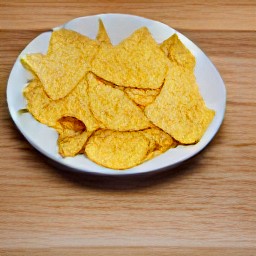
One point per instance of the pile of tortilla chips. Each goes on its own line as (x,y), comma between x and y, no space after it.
(119,105)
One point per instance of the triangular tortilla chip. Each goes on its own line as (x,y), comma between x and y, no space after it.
(136,62)
(113,108)
(179,109)
(68,58)
(102,35)
(177,52)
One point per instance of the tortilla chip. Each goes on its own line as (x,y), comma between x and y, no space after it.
(112,107)
(37,99)
(142,97)
(159,142)
(31,61)
(117,150)
(136,62)
(65,39)
(71,146)
(179,109)
(177,52)
(162,140)
(102,35)
(68,58)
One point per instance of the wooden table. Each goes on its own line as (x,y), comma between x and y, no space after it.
(205,207)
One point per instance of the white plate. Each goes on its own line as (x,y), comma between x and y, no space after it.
(118,26)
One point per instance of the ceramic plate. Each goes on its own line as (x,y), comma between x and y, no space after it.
(118,26)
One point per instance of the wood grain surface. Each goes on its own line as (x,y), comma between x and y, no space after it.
(205,207)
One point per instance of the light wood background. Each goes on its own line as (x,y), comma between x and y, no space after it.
(204,207)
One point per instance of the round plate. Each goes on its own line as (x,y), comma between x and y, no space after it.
(118,26)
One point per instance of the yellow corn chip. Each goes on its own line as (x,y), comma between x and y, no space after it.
(117,150)
(112,107)
(177,52)
(31,61)
(159,142)
(71,146)
(102,35)
(37,99)
(136,62)
(162,140)
(142,97)
(179,109)
(64,39)
(68,58)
